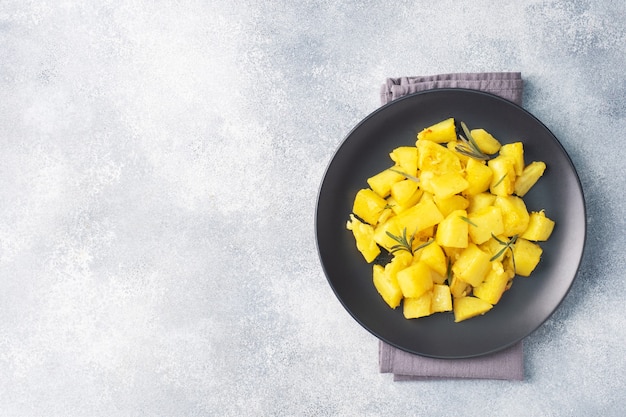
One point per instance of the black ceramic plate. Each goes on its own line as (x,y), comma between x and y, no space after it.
(530,301)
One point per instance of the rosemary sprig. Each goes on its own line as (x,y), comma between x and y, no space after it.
(423,245)
(404,243)
(500,180)
(409,176)
(506,245)
(469,147)
(468,221)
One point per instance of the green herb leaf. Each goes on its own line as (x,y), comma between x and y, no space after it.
(423,245)
(497,255)
(499,181)
(506,245)
(404,243)
(468,221)
(471,140)
(468,146)
(408,176)
(498,240)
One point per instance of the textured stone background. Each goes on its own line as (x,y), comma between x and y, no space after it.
(159,165)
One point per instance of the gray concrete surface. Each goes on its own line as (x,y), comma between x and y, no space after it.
(159,164)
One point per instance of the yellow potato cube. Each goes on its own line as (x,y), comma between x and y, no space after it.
(478,176)
(527,255)
(368,206)
(415,280)
(414,308)
(364,237)
(419,217)
(437,278)
(427,196)
(381,183)
(503,175)
(515,216)
(424,235)
(381,231)
(452,253)
(387,283)
(436,158)
(493,247)
(406,158)
(450,204)
(529,177)
(400,260)
(406,192)
(441,132)
(401,208)
(386,214)
(387,287)
(468,307)
(515,151)
(394,206)
(453,230)
(441,299)
(452,146)
(478,201)
(485,141)
(459,288)
(484,222)
(443,185)
(539,227)
(472,266)
(494,285)
(434,257)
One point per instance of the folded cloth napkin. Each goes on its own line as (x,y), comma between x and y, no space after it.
(505,364)
(508,363)
(507,85)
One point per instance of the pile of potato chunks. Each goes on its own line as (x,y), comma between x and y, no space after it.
(456,226)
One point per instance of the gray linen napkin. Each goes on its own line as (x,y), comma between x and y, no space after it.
(508,363)
(507,85)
